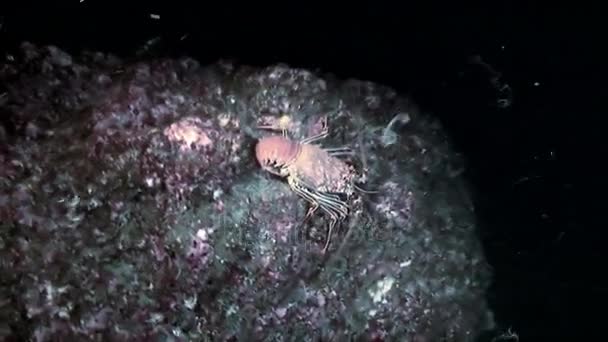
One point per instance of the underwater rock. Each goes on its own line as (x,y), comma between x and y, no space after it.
(132,207)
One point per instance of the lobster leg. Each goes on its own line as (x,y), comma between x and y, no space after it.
(296,186)
(336,209)
(330,204)
(337,212)
(332,224)
(313,208)
(300,191)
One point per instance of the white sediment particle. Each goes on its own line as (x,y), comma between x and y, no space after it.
(405,263)
(202,234)
(156,318)
(381,289)
(231,310)
(190,302)
(280,312)
(177,332)
(224,119)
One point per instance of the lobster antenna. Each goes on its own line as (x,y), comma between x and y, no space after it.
(365,191)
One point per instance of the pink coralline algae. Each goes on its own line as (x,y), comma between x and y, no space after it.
(189,134)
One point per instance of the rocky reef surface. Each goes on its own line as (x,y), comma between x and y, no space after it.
(132,208)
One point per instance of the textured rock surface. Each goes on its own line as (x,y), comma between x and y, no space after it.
(132,207)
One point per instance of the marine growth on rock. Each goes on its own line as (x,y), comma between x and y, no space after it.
(132,207)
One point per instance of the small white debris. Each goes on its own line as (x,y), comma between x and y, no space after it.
(224,119)
(231,310)
(63,313)
(405,263)
(149,182)
(156,318)
(155,16)
(177,332)
(202,234)
(382,288)
(280,312)
(190,302)
(536,84)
